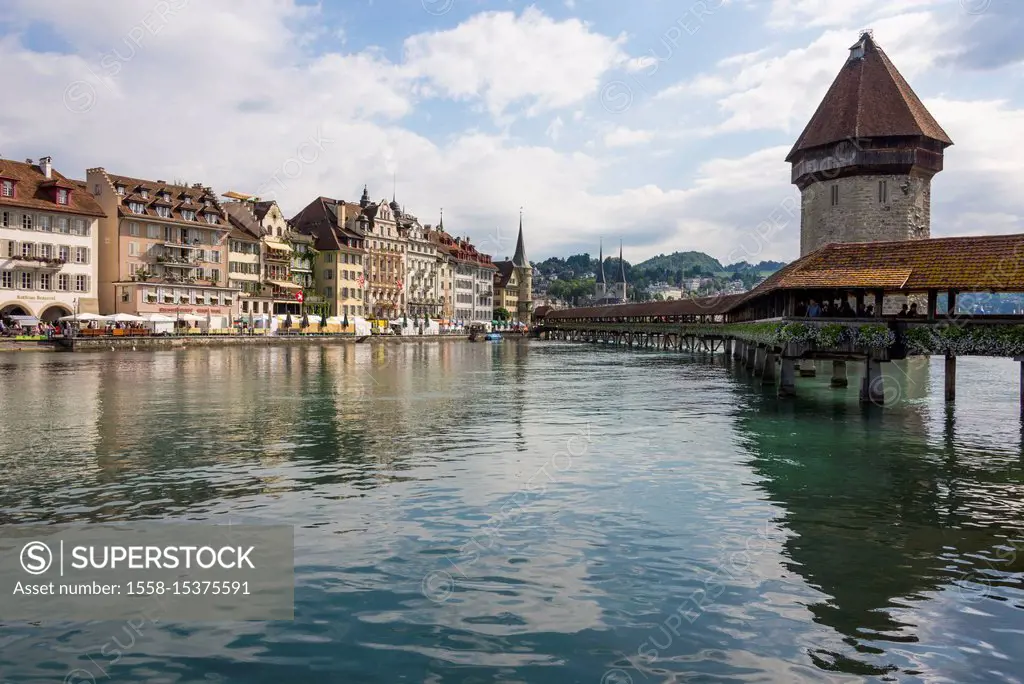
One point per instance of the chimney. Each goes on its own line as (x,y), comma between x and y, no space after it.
(28,161)
(46,166)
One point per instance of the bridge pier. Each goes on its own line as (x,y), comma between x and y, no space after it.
(751,360)
(759,357)
(787,379)
(872,385)
(950,377)
(807,369)
(727,346)
(839,374)
(768,371)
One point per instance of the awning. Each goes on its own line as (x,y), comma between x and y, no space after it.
(284,284)
(277,244)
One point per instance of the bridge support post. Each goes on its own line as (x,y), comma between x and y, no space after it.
(727,347)
(768,370)
(807,369)
(787,379)
(950,377)
(872,385)
(751,359)
(839,378)
(759,357)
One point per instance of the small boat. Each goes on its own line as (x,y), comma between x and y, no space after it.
(492,337)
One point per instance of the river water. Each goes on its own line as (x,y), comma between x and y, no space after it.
(538,512)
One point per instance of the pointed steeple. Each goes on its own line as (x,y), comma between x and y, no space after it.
(396,208)
(519,260)
(364,201)
(440,225)
(622,265)
(600,263)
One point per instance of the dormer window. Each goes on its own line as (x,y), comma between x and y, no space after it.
(7,188)
(137,207)
(163,212)
(144,193)
(62,196)
(188,215)
(120,189)
(207,203)
(211,218)
(166,196)
(188,199)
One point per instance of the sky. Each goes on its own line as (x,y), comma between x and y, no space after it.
(661,123)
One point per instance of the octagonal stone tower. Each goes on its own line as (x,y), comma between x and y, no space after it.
(865,161)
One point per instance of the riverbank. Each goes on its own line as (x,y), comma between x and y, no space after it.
(85,344)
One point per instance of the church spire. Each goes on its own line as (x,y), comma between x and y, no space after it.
(519,260)
(600,262)
(364,201)
(622,265)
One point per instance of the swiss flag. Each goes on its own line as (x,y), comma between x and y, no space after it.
(399,283)
(299,296)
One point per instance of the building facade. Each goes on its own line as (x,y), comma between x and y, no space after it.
(513,283)
(163,248)
(385,265)
(49,239)
(424,268)
(865,160)
(338,274)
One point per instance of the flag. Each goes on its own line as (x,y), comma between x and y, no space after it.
(299,296)
(398,283)
(362,280)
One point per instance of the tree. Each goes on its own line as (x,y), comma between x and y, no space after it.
(502,314)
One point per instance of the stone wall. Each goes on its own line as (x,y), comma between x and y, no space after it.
(860,216)
(157,343)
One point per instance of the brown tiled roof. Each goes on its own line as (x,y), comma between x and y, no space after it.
(989,262)
(869,98)
(241,217)
(134,186)
(33,191)
(319,219)
(683,307)
(504,273)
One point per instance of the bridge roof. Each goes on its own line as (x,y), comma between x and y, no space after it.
(982,263)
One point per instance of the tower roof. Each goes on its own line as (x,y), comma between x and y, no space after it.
(622,265)
(600,264)
(869,98)
(520,257)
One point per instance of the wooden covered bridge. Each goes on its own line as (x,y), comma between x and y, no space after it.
(946,284)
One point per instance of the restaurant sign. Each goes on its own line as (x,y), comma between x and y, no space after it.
(190,310)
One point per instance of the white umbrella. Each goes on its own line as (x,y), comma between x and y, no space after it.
(191,318)
(83,317)
(124,318)
(159,318)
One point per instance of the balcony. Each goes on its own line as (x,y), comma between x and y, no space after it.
(177,262)
(39,263)
(183,244)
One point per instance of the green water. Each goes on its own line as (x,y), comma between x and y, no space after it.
(538,512)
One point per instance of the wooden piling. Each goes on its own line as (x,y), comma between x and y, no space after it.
(950,377)
(787,379)
(839,378)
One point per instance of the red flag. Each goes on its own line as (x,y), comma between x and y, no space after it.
(399,283)
(299,296)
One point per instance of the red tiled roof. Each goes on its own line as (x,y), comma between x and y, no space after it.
(869,98)
(133,193)
(32,190)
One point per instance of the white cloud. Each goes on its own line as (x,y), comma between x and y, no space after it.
(554,130)
(626,137)
(505,60)
(804,13)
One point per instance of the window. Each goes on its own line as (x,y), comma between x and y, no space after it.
(883,191)
(153,232)
(120,189)
(81,255)
(44,281)
(5,219)
(835,195)
(64,253)
(214,274)
(344,292)
(133,249)
(62,225)
(81,227)
(6,279)
(163,212)
(133,268)
(62,196)
(26,280)
(211,218)
(144,193)
(62,281)
(133,229)
(46,251)
(328,274)
(44,223)
(188,214)
(26,249)
(215,256)
(166,196)
(188,199)
(126,295)
(26,221)
(329,292)
(329,258)
(7,188)
(137,207)
(81,283)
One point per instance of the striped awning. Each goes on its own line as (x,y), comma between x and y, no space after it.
(277,244)
(285,285)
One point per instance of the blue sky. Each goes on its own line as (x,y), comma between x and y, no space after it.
(661,122)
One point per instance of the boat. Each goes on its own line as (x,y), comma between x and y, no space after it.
(492,337)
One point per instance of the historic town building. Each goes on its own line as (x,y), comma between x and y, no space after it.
(865,161)
(49,227)
(513,283)
(424,267)
(340,253)
(163,248)
(386,245)
(616,293)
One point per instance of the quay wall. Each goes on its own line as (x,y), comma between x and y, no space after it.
(198,341)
